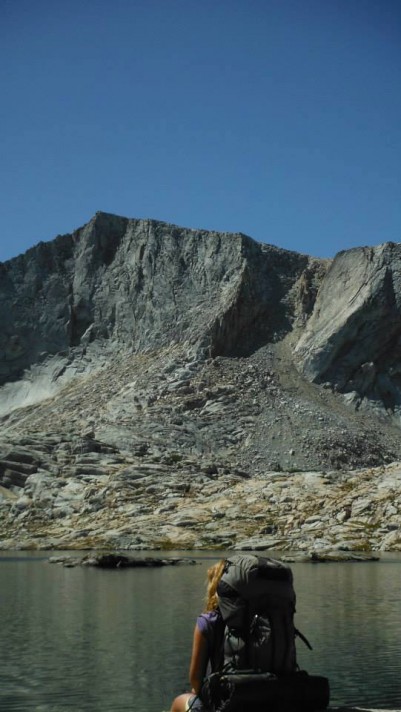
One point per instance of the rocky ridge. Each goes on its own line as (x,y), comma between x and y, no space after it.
(172,388)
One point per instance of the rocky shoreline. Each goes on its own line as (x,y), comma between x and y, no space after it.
(115,503)
(121,561)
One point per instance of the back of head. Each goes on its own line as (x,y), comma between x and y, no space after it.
(214,574)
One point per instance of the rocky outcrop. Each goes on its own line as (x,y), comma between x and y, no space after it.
(143,284)
(120,561)
(353,338)
(85,496)
(147,369)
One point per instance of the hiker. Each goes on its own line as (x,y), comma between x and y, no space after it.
(244,652)
(206,644)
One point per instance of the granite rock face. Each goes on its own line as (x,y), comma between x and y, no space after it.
(353,337)
(143,284)
(171,387)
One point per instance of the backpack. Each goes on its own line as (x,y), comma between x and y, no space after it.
(258,666)
(257,604)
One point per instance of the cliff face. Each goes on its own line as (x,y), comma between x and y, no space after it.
(146,369)
(353,338)
(144,285)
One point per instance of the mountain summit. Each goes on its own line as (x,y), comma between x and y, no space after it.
(190,354)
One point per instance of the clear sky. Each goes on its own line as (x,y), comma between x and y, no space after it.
(277,118)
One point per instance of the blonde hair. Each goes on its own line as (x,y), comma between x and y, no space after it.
(214,574)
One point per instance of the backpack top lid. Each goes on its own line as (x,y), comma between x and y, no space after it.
(256,581)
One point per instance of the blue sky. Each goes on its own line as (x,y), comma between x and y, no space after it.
(277,118)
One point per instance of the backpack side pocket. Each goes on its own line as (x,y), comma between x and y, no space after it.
(261,643)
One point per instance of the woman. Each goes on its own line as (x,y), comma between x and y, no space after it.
(206,648)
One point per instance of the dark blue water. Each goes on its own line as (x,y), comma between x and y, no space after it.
(111,641)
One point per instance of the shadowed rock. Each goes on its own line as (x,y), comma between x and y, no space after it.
(353,337)
(119,561)
(145,284)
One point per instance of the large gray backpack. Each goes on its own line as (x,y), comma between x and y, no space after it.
(256,668)
(257,605)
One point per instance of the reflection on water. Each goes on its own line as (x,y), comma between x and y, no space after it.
(107,641)
(352,612)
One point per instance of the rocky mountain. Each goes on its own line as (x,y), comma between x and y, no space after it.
(169,387)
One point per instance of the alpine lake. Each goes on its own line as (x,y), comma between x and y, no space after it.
(95,640)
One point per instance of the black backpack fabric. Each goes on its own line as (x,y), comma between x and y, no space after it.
(257,604)
(258,667)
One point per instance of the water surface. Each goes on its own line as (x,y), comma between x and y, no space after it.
(92,640)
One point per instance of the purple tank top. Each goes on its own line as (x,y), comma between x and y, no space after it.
(206,623)
(210,625)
